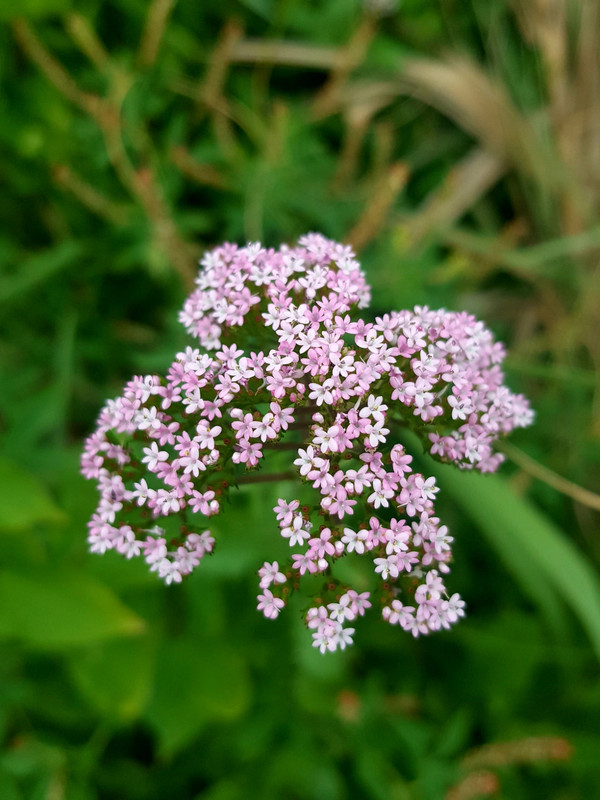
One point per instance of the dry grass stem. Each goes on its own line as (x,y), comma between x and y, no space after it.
(204,174)
(544,25)
(474,786)
(524,751)
(291,54)
(210,92)
(156,23)
(548,476)
(351,56)
(462,188)
(464,92)
(89,196)
(141,184)
(529,262)
(180,253)
(86,39)
(367,94)
(53,69)
(357,126)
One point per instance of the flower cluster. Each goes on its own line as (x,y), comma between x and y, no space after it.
(287,364)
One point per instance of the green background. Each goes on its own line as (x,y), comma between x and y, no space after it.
(455,145)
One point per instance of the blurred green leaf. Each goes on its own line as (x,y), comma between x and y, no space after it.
(9,789)
(377,776)
(505,653)
(196,684)
(58,611)
(32,8)
(39,268)
(24,500)
(264,8)
(529,543)
(115,677)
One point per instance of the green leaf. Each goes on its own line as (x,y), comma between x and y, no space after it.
(196,684)
(24,500)
(115,677)
(62,611)
(539,554)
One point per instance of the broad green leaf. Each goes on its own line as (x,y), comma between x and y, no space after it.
(24,500)
(115,676)
(61,611)
(196,684)
(537,551)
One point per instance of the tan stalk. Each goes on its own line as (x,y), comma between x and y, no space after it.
(210,92)
(86,39)
(474,786)
(548,476)
(464,185)
(374,215)
(357,126)
(523,751)
(142,184)
(327,100)
(53,70)
(463,91)
(291,54)
(201,173)
(154,29)
(586,88)
(89,196)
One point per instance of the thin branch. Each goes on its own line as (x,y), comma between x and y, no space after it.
(89,196)
(177,250)
(350,57)
(87,41)
(53,69)
(210,92)
(373,217)
(211,88)
(156,22)
(463,186)
(293,54)
(542,473)
(142,184)
(523,751)
(204,174)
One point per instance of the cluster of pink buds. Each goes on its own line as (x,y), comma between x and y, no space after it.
(286,364)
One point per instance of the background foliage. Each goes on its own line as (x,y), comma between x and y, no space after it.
(457,146)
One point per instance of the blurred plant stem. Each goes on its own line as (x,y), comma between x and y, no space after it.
(141,183)
(383,196)
(157,18)
(548,476)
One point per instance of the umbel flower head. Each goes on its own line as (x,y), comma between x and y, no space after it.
(285,364)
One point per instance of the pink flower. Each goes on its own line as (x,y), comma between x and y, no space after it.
(334,390)
(269,605)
